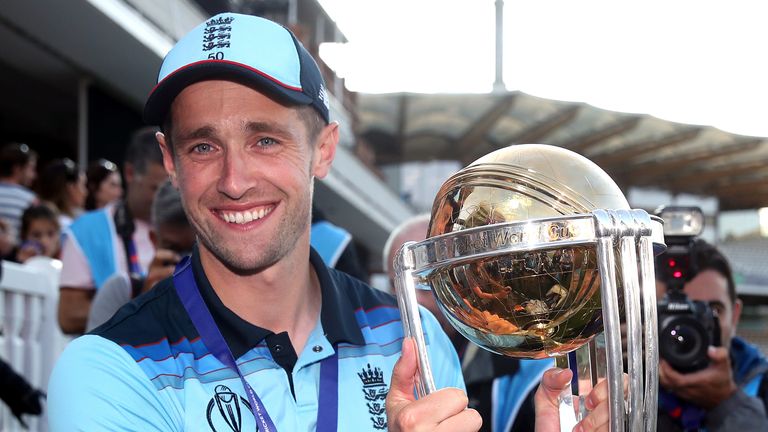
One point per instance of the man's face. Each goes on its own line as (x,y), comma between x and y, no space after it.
(110,189)
(29,172)
(142,188)
(244,166)
(711,287)
(179,238)
(47,234)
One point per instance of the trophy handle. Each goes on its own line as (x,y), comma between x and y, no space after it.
(405,289)
(609,288)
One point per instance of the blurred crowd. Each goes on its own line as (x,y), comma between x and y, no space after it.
(118,230)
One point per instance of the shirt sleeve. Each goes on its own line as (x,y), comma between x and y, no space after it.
(75,270)
(738,413)
(115,292)
(96,385)
(446,368)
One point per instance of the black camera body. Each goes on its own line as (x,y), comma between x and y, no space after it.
(686,327)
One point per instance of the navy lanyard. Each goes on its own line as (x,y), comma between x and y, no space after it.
(327,412)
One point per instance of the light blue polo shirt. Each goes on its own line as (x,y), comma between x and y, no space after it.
(146,369)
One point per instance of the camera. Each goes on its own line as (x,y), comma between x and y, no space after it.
(686,327)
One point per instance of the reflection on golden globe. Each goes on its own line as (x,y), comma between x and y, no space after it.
(532,304)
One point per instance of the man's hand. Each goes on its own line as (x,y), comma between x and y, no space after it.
(161,267)
(443,410)
(28,250)
(548,410)
(706,388)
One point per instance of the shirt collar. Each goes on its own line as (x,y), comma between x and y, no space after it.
(337,313)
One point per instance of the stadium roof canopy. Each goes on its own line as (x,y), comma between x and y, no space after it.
(637,150)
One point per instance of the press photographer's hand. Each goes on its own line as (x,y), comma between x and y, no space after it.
(444,410)
(706,388)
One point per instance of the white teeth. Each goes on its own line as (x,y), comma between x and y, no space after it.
(246,216)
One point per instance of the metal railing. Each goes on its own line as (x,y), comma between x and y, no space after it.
(30,337)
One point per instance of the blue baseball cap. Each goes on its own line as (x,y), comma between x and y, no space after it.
(248,49)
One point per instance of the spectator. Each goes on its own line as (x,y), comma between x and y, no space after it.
(173,238)
(62,185)
(114,239)
(7,242)
(335,246)
(500,388)
(731,394)
(103,183)
(40,233)
(17,172)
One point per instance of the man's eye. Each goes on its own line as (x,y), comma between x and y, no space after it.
(266,142)
(202,148)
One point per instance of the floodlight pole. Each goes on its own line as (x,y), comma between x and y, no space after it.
(498,85)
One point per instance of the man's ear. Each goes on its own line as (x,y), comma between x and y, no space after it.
(737,307)
(153,237)
(168,162)
(325,150)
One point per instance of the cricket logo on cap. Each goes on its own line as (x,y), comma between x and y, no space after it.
(217,33)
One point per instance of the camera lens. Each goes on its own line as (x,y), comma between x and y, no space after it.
(683,343)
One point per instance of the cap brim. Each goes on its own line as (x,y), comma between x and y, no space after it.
(160,98)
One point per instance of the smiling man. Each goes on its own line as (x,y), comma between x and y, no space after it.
(254,332)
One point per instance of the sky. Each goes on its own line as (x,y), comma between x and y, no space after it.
(698,62)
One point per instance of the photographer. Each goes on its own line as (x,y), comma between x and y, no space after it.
(729,391)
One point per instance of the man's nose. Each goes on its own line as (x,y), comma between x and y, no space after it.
(234,180)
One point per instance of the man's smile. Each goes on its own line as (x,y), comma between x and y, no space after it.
(245,216)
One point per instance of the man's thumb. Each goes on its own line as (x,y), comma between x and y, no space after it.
(404,374)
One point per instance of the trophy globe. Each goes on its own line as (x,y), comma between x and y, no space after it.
(533,303)
(531,252)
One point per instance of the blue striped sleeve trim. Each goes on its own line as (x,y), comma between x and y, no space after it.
(174,370)
(391,348)
(162,349)
(377,316)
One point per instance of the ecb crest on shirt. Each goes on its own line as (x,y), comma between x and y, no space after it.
(227,411)
(375,392)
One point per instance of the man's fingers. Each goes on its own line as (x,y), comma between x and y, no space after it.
(432,411)
(444,409)
(597,420)
(553,382)
(467,419)
(669,377)
(440,405)
(717,354)
(599,393)
(546,399)
(403,375)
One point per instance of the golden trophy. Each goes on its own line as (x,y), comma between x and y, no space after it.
(532,252)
